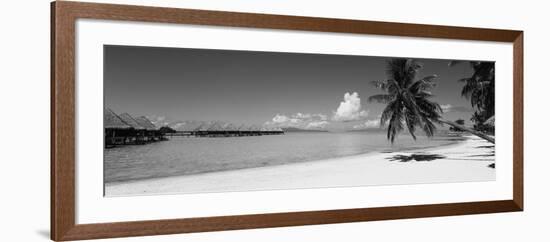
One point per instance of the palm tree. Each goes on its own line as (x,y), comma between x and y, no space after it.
(480,89)
(408,101)
(459,122)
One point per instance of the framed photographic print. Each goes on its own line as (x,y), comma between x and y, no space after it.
(172,120)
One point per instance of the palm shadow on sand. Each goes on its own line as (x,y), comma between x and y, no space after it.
(416,157)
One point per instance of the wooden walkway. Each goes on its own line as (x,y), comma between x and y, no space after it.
(222,133)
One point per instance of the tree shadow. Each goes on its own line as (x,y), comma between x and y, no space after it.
(416,157)
(482,155)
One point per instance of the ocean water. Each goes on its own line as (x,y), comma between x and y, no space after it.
(191,155)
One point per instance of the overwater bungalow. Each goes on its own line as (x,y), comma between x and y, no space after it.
(241,130)
(277,130)
(151,131)
(254,130)
(184,128)
(202,129)
(230,130)
(115,129)
(191,126)
(264,130)
(215,130)
(138,134)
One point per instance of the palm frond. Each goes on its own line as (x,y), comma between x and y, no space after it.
(426,83)
(395,125)
(423,94)
(390,86)
(411,120)
(470,86)
(380,84)
(429,109)
(412,108)
(381,98)
(388,112)
(429,128)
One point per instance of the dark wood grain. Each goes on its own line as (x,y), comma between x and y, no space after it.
(234,19)
(173,226)
(518,121)
(63,17)
(63,123)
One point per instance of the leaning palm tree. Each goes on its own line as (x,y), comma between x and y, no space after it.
(408,101)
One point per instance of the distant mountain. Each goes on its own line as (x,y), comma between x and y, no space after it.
(292,129)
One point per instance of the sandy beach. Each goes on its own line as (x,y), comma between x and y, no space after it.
(466,161)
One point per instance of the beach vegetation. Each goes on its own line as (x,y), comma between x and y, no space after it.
(408,101)
(479,88)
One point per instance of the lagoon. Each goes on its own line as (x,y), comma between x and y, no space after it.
(192,155)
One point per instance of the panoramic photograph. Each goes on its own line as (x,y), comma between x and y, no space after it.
(181,121)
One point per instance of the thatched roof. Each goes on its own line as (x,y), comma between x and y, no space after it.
(204,126)
(146,123)
(490,121)
(243,127)
(254,128)
(216,126)
(128,119)
(229,127)
(271,128)
(113,121)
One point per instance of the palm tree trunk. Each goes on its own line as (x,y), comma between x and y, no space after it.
(474,132)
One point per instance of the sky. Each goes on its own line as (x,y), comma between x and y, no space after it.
(311,91)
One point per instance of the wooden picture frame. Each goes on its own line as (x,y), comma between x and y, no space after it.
(63,18)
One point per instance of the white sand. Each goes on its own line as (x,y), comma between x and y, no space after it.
(463,162)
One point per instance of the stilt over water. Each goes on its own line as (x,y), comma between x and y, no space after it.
(124,129)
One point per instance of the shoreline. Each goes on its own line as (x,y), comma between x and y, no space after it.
(455,162)
(458,140)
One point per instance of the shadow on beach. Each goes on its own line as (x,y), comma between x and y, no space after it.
(416,157)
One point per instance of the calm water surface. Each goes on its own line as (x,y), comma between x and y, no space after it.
(183,156)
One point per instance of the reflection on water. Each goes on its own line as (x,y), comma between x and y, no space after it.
(182,156)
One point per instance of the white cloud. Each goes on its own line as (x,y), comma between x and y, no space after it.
(317,125)
(299,120)
(280,118)
(446,107)
(368,124)
(302,115)
(450,108)
(308,116)
(322,117)
(158,121)
(350,109)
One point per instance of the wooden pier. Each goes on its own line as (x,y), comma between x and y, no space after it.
(222,133)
